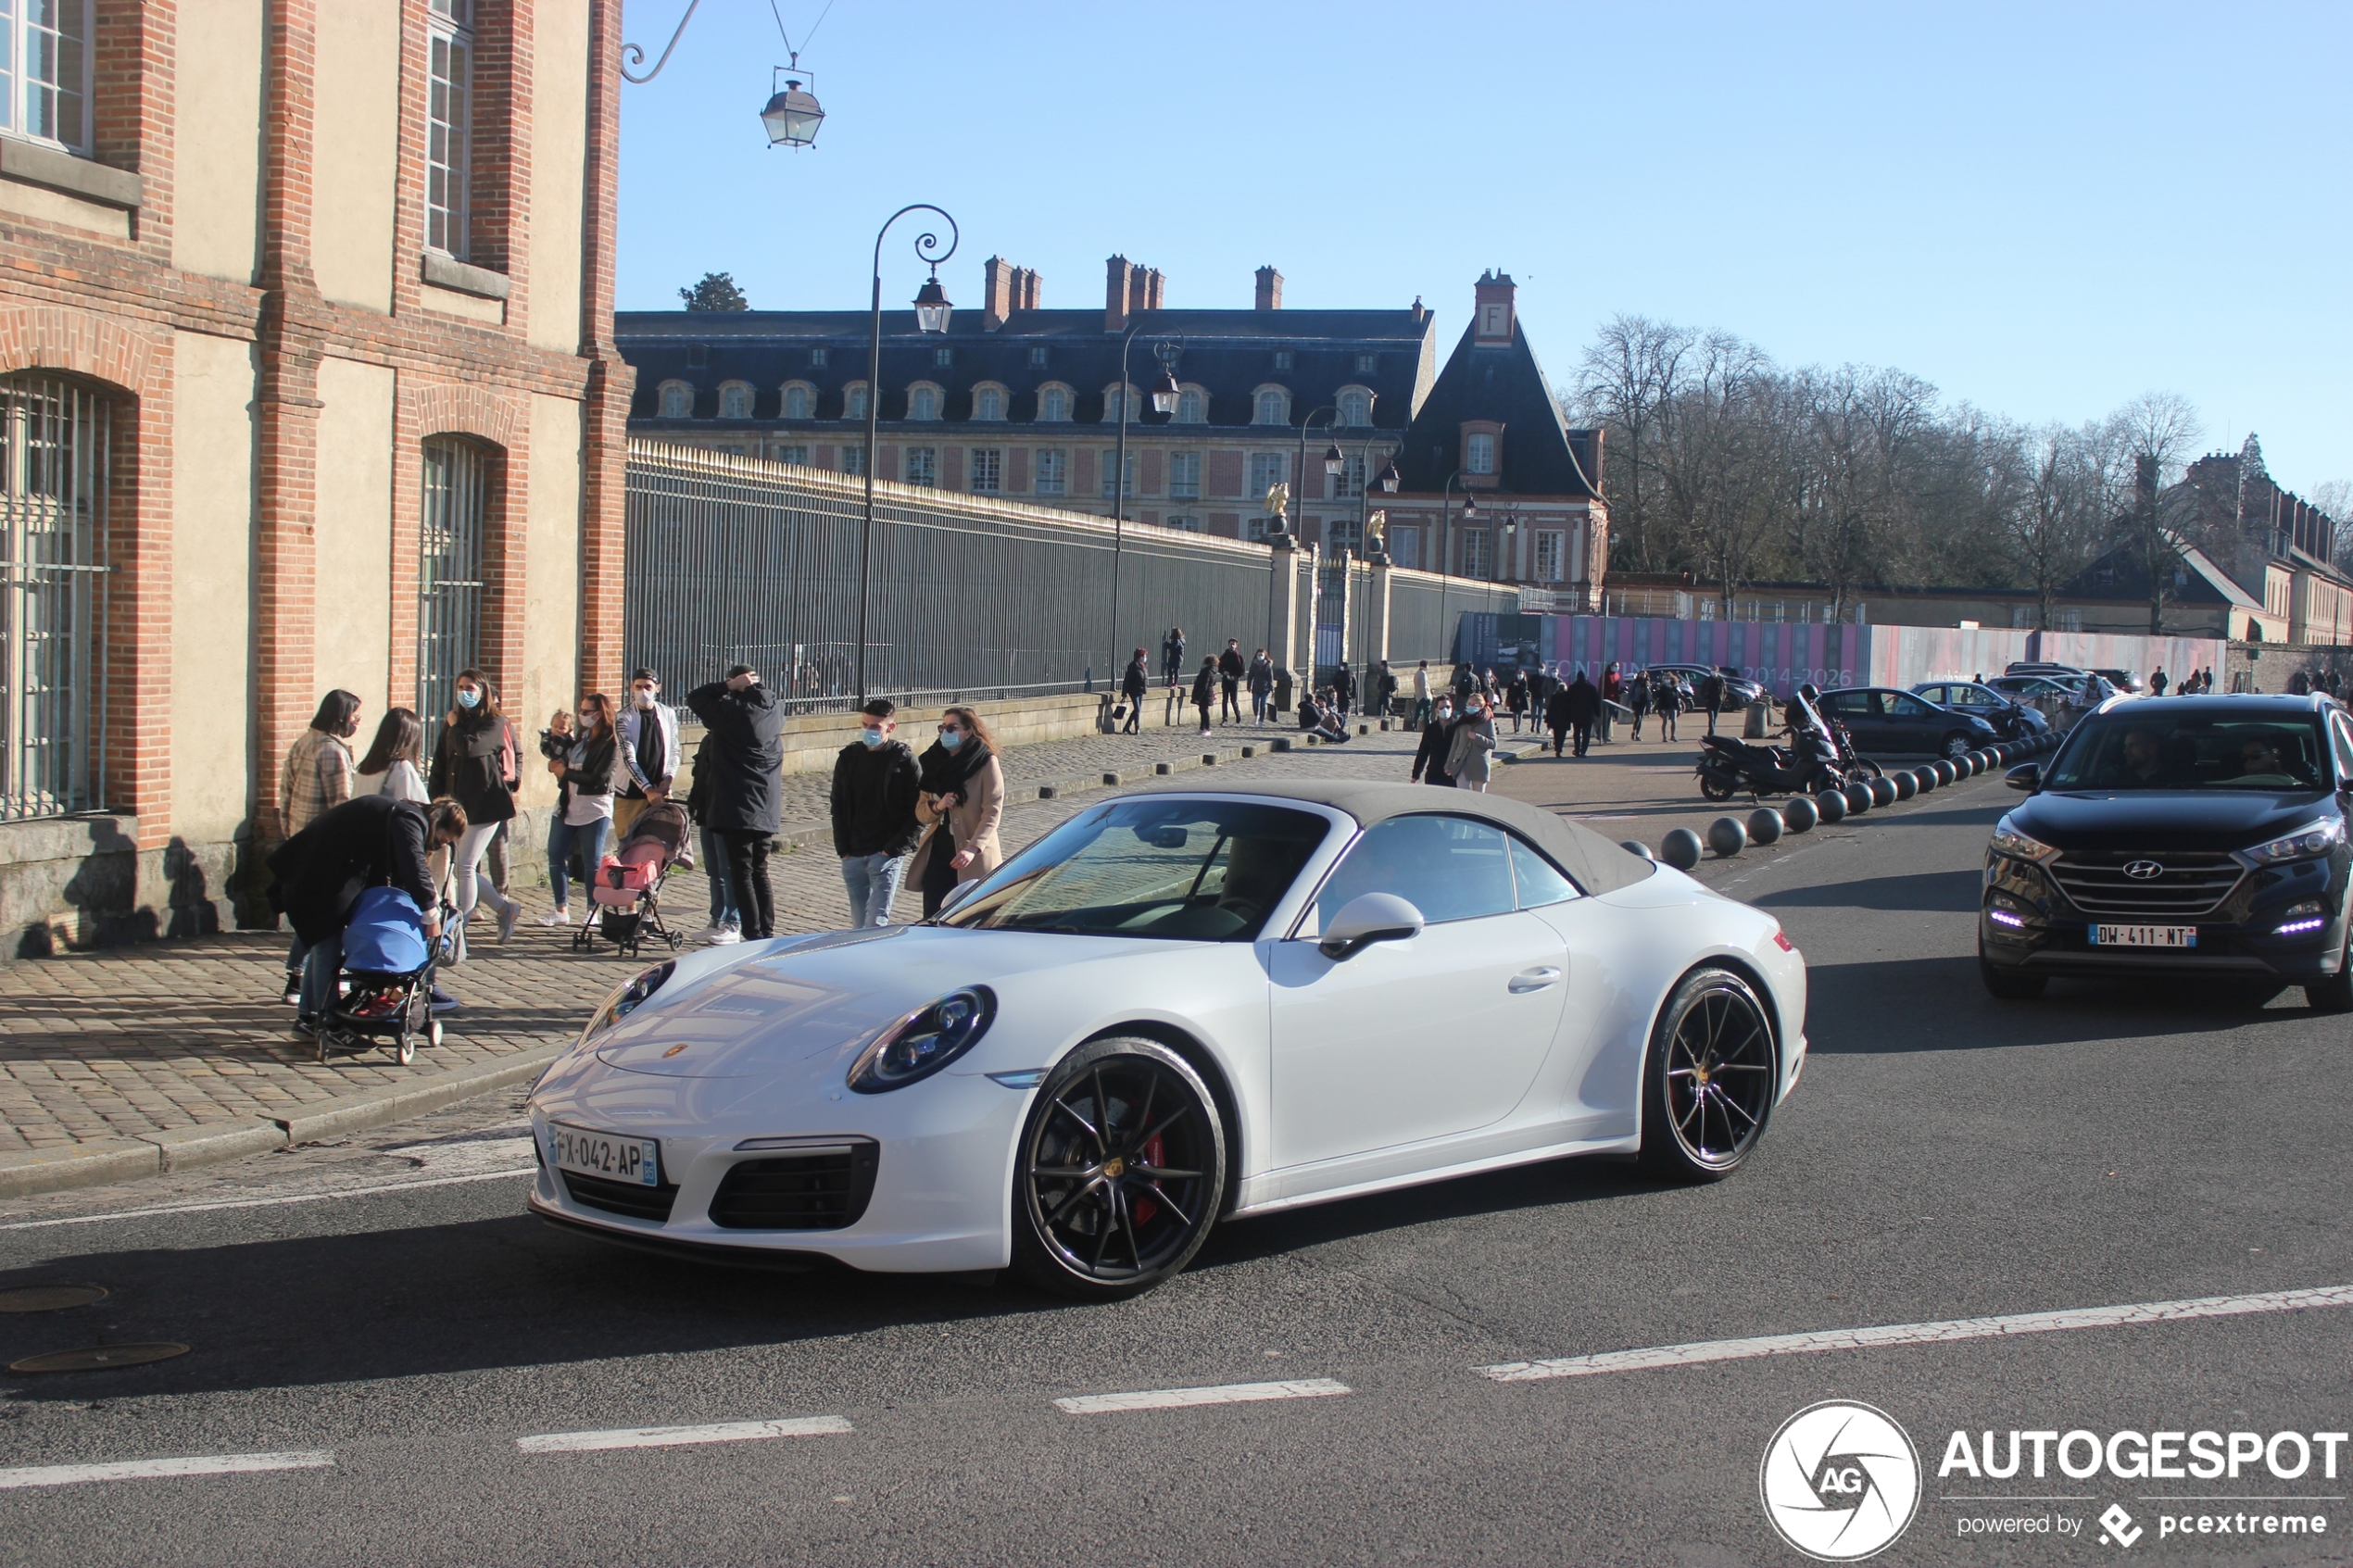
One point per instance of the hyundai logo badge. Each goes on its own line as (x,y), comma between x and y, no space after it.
(2143,870)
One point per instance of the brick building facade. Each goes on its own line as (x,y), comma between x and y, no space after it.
(307,381)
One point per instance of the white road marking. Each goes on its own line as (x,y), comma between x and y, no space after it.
(266,1202)
(140,1469)
(1222,1394)
(673,1437)
(1922,1334)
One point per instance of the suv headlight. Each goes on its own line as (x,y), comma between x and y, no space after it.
(627,997)
(2010,842)
(925,1041)
(2317,839)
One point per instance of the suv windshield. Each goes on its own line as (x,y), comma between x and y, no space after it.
(1196,870)
(2193,751)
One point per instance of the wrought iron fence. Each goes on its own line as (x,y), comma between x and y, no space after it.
(731,561)
(53,602)
(1426,612)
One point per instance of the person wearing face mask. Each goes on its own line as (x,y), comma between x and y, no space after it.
(1438,736)
(960,795)
(873,813)
(581,755)
(316,779)
(1473,743)
(474,763)
(646,740)
(743,805)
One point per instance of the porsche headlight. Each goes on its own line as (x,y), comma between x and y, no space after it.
(2018,845)
(925,1041)
(2318,839)
(627,997)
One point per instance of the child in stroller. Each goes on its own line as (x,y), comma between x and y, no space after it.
(387,975)
(626,888)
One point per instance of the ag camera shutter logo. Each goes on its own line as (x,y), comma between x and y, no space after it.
(1840,1481)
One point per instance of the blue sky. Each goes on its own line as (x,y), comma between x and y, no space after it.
(2042,209)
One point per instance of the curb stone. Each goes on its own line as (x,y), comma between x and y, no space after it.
(26,1172)
(352,1114)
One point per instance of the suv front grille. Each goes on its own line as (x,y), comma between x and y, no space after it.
(631,1198)
(2191,884)
(818,1189)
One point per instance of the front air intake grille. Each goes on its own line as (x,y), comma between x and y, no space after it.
(631,1198)
(2187,884)
(817,1188)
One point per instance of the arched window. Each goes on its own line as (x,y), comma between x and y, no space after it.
(1053,405)
(1356,407)
(1191,406)
(1273,407)
(798,401)
(854,401)
(988,403)
(923,402)
(677,400)
(735,401)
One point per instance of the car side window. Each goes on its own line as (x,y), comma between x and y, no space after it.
(1850,704)
(1541,882)
(1450,868)
(1938,694)
(1906,707)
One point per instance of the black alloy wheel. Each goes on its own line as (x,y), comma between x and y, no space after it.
(1714,788)
(1122,1169)
(1713,1075)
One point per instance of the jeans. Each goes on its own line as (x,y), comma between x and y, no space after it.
(1258,701)
(723,891)
(1583,729)
(873,882)
(321,965)
(1135,714)
(748,871)
(1229,689)
(1420,715)
(561,837)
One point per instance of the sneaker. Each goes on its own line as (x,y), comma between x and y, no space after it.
(507,918)
(444,1002)
(555,917)
(305,1027)
(293,987)
(726,936)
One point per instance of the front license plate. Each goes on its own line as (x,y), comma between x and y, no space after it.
(610,1155)
(2145,935)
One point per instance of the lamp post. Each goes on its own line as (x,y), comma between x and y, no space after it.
(932,311)
(1446,544)
(1165,392)
(1388,482)
(1331,458)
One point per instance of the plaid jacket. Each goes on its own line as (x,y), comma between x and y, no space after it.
(318,777)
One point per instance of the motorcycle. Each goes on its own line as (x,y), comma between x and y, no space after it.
(1819,756)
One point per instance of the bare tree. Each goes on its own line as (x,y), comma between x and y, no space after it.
(1863,447)
(2057,510)
(1634,367)
(1713,447)
(2154,433)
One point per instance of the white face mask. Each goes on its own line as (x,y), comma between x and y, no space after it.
(644,696)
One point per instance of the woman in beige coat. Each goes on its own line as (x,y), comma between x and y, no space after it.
(1474,743)
(959,798)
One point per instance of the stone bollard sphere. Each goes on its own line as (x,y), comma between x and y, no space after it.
(1926,778)
(1883,791)
(1800,814)
(1680,848)
(1830,805)
(1859,799)
(1764,825)
(1725,836)
(1636,847)
(1945,771)
(1904,785)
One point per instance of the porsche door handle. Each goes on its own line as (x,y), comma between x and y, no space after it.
(1534,979)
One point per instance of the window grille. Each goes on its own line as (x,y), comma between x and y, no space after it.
(796,402)
(1350,480)
(1053,405)
(923,403)
(448,126)
(1266,471)
(922,466)
(853,459)
(1552,555)
(1270,408)
(793,455)
(735,401)
(1053,473)
(1479,454)
(44,72)
(449,581)
(1476,562)
(1108,468)
(677,401)
(53,552)
(1184,476)
(988,471)
(989,403)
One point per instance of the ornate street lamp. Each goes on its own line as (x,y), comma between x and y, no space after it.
(792,115)
(1165,391)
(1164,394)
(932,311)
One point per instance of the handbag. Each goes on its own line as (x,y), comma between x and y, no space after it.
(1119,710)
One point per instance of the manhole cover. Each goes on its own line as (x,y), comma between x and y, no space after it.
(98,1357)
(49,1297)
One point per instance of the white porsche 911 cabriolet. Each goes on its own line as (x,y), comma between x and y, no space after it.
(1176,1007)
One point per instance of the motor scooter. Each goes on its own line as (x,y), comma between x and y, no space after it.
(1810,763)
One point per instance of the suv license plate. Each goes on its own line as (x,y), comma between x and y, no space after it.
(2145,935)
(610,1155)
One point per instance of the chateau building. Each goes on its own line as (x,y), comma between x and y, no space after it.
(1018,401)
(306,381)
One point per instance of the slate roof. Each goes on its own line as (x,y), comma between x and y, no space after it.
(2129,579)
(1230,352)
(1502,383)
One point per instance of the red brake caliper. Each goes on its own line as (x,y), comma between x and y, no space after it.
(1145,1207)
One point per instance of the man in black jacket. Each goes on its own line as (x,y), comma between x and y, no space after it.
(1230,665)
(747,725)
(374,841)
(1133,685)
(1438,740)
(873,810)
(1557,718)
(1584,701)
(1343,690)
(1711,696)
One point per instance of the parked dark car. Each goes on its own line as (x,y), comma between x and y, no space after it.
(1887,723)
(2178,836)
(2011,719)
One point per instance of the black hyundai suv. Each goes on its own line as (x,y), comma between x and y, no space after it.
(2198,836)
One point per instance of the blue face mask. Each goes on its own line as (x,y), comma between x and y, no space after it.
(467,698)
(951,739)
(872,737)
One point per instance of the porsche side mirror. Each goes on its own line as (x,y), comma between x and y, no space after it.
(2027,776)
(1366,918)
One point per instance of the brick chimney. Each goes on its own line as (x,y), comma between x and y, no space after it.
(1118,275)
(1270,289)
(1144,289)
(998,288)
(1497,302)
(1025,290)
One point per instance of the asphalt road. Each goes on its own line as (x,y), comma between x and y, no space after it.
(1946,1157)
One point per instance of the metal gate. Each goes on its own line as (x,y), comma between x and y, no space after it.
(448,572)
(53,556)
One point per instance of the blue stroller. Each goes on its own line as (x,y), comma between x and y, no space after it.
(387,975)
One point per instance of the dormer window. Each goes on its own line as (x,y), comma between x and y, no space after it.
(988,403)
(1272,407)
(1479,453)
(677,400)
(1038,359)
(817,358)
(797,402)
(1189,407)
(854,401)
(943,356)
(1367,363)
(923,403)
(1053,405)
(1355,407)
(1113,398)
(697,356)
(1282,359)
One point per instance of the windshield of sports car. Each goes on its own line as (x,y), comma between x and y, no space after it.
(1194,871)
(2126,750)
